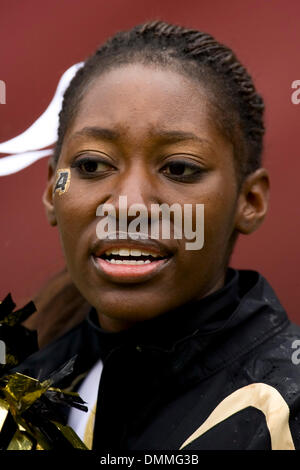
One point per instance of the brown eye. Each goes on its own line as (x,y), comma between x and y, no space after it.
(88,166)
(92,166)
(181,170)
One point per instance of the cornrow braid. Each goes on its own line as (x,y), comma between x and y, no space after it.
(238,107)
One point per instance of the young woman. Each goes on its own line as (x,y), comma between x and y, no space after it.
(178,350)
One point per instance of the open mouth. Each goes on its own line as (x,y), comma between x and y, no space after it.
(130,264)
(130,256)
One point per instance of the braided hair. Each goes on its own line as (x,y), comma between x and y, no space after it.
(237,105)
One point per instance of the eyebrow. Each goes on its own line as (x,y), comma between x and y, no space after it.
(167,136)
(97,133)
(178,136)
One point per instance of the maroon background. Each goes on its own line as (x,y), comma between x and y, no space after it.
(40,40)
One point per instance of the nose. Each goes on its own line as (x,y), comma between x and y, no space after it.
(135,186)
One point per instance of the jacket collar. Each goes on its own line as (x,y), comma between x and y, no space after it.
(164,331)
(217,329)
(214,332)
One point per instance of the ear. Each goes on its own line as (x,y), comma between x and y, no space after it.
(253,201)
(48,193)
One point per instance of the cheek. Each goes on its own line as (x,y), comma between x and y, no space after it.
(220,206)
(219,217)
(76,220)
(219,222)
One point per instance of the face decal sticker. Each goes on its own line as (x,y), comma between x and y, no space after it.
(62,183)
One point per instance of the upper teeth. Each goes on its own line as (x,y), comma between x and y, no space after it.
(130,252)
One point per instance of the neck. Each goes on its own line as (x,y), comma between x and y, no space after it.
(115,325)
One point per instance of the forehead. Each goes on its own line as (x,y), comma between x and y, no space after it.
(138,101)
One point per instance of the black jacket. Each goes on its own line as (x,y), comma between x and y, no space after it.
(219,373)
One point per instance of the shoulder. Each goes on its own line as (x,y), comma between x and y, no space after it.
(52,357)
(276,363)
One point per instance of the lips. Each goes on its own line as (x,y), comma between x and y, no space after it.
(130,260)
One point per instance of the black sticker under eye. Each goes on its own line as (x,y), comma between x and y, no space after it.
(62,183)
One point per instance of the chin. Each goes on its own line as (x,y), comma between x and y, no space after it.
(129,312)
